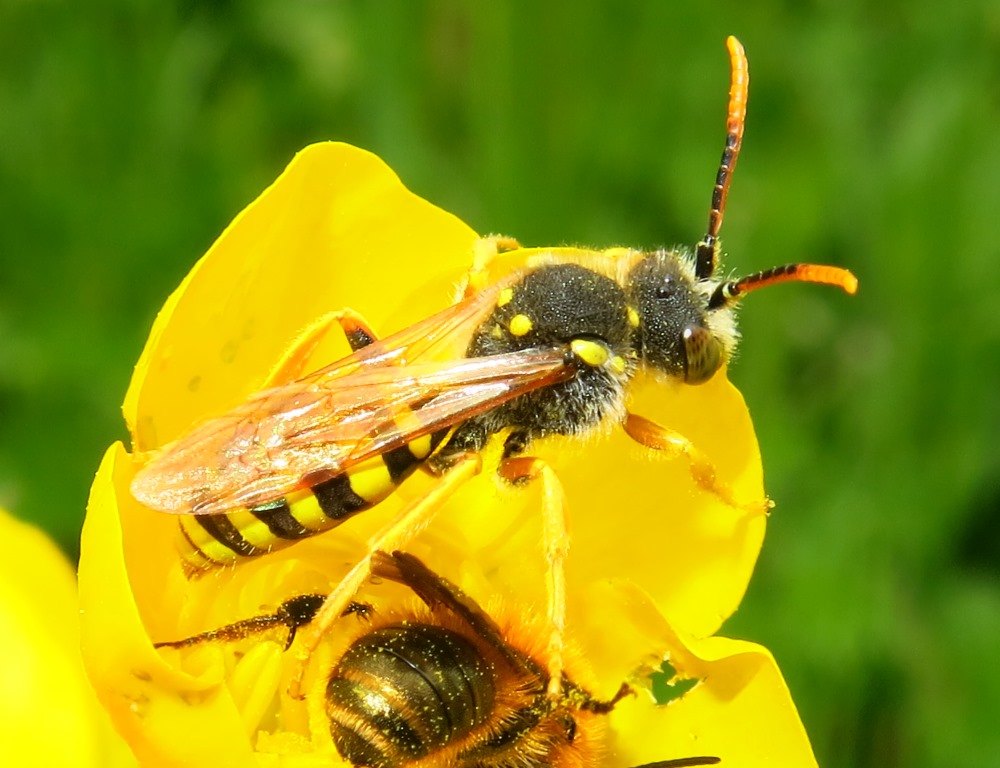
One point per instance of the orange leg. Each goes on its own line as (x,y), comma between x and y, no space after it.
(291,364)
(396,535)
(555,538)
(484,251)
(673,445)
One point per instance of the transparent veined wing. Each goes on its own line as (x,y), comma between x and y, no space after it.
(370,402)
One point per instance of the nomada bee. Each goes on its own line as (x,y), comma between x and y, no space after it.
(444,685)
(550,350)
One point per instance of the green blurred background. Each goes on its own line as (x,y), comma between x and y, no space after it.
(131,133)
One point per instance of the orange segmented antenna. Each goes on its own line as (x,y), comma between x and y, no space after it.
(730,291)
(708,249)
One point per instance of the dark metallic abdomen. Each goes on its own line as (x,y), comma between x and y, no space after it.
(405,691)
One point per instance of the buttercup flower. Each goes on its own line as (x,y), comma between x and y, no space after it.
(48,713)
(656,563)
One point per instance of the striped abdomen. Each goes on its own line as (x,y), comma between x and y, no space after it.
(406,691)
(211,541)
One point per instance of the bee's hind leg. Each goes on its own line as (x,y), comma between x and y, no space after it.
(292,363)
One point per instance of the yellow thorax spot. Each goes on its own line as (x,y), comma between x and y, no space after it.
(592,353)
(520,325)
(633,317)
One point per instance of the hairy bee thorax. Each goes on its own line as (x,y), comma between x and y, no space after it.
(558,303)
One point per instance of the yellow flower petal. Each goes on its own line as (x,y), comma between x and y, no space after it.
(337,229)
(169,718)
(48,713)
(740,710)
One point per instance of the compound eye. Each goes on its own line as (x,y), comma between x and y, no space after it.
(702,354)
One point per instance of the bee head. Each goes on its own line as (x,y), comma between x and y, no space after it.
(677,334)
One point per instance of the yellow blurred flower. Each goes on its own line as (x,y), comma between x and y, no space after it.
(48,713)
(338,229)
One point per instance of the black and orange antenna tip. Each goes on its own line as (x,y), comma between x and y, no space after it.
(799,273)
(730,291)
(739,81)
